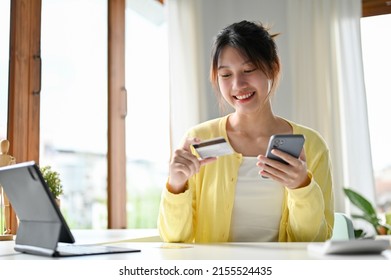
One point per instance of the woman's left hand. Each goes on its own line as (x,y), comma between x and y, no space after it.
(292,175)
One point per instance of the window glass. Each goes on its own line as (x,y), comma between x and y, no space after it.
(73,132)
(4,58)
(147,123)
(376,44)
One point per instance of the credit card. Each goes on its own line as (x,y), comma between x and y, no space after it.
(215,147)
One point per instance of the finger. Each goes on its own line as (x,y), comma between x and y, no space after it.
(189,141)
(188,159)
(180,168)
(272,173)
(207,160)
(186,164)
(285,156)
(266,166)
(265,161)
(273,169)
(287,175)
(302,155)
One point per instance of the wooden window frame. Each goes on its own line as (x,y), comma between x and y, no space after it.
(24,84)
(375,7)
(117,111)
(24,97)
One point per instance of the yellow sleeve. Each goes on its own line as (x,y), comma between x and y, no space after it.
(311,209)
(175,217)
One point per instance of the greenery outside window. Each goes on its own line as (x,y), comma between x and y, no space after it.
(73,139)
(147,123)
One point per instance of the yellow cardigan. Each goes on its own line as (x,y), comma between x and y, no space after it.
(203,212)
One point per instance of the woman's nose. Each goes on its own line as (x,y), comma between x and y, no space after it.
(240,82)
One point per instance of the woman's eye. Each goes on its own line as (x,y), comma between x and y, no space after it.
(224,75)
(250,70)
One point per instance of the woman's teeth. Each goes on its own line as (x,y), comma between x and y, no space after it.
(241,97)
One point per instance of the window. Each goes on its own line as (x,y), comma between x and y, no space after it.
(4,57)
(376,45)
(147,122)
(73,129)
(74,123)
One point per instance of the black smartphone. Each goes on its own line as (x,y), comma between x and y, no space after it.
(288,143)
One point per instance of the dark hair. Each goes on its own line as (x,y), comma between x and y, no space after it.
(253,40)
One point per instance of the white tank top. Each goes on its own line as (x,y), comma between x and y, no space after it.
(257,207)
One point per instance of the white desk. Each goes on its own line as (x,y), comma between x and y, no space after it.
(141,239)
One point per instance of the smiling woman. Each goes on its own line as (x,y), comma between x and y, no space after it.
(224,198)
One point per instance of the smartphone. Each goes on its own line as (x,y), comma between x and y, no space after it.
(288,143)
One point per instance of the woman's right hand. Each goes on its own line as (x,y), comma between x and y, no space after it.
(183,165)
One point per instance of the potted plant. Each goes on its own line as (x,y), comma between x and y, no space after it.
(369,214)
(52,179)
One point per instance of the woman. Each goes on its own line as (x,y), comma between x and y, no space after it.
(246,196)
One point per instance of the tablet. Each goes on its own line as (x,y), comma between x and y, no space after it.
(349,247)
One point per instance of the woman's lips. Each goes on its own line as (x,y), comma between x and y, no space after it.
(244,96)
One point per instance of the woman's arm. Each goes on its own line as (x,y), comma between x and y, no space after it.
(311,209)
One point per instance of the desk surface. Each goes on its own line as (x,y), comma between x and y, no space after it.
(156,250)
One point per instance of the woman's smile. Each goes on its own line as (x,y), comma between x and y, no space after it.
(243,97)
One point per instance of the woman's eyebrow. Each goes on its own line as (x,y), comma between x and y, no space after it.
(222,67)
(244,63)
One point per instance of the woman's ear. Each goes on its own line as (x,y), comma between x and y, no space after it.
(269,85)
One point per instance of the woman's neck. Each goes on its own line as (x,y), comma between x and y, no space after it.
(256,125)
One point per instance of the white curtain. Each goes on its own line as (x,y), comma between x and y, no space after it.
(328,87)
(185,65)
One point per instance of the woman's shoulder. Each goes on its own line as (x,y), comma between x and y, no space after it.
(209,129)
(311,135)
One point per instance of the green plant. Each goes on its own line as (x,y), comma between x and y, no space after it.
(52,179)
(369,214)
